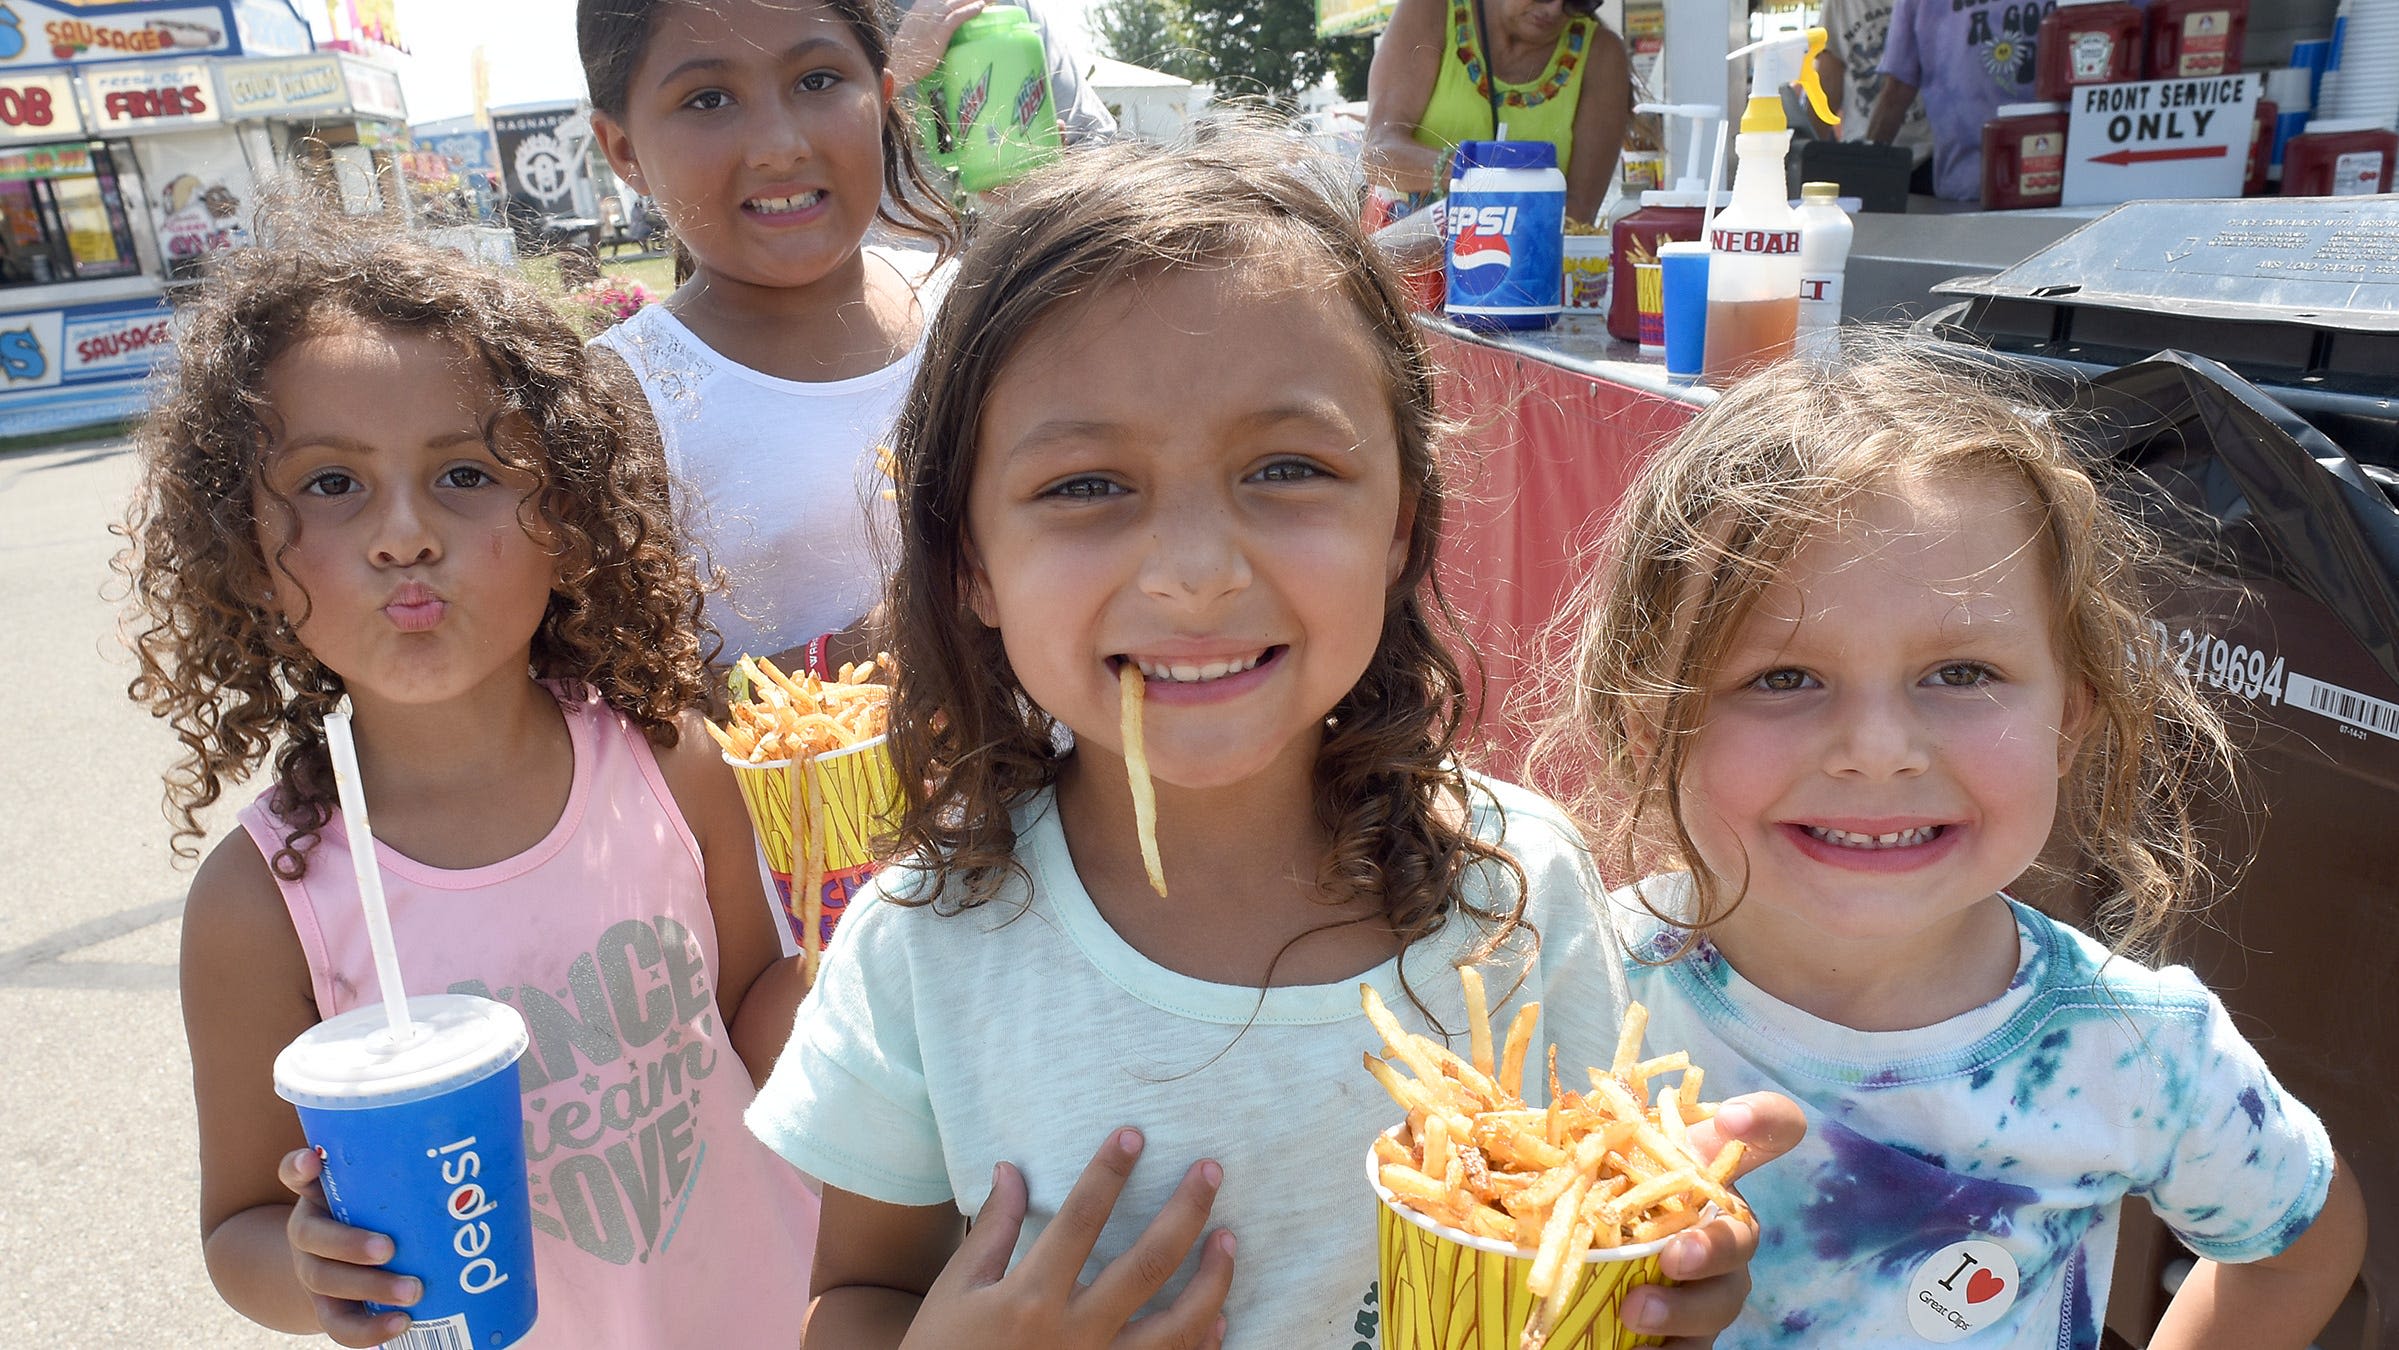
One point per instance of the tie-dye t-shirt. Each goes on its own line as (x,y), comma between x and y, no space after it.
(1965,1179)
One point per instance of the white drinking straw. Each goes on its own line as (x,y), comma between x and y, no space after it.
(362,861)
(1707,219)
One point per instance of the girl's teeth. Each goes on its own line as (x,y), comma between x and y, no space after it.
(1897,839)
(779,204)
(1188,674)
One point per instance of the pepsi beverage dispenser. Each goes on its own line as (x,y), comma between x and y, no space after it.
(1507,236)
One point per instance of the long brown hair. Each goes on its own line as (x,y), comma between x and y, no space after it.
(218,663)
(611,35)
(1714,518)
(1387,789)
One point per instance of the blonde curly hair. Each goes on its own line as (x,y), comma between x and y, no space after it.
(1716,517)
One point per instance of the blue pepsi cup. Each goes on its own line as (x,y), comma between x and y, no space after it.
(423,1140)
(1683,278)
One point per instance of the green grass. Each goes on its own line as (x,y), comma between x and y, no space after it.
(657,274)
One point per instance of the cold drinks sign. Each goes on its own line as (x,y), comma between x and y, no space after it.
(2161,138)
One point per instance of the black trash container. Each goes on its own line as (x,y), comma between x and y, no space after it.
(2291,617)
(2273,454)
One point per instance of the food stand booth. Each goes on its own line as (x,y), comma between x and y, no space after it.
(132,138)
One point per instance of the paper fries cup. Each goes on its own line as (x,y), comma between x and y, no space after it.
(1443,1289)
(766,790)
(817,822)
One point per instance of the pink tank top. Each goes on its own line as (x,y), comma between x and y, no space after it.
(659,1220)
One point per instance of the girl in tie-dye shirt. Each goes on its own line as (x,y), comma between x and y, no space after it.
(1863,641)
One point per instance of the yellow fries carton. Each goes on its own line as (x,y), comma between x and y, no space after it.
(817,820)
(1443,1289)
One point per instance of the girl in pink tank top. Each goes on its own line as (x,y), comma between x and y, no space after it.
(383,473)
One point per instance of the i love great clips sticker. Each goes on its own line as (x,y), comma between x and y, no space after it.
(1965,1287)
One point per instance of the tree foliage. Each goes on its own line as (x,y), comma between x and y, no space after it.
(1147,33)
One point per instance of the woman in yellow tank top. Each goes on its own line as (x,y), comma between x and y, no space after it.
(1449,70)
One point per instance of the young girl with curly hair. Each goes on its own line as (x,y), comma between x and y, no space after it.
(1863,643)
(1175,426)
(382,474)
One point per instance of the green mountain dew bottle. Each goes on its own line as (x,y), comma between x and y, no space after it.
(987,110)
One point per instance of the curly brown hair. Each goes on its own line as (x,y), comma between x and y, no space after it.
(219,664)
(1714,518)
(1388,791)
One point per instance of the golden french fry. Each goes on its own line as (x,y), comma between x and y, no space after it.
(1413,1051)
(1478,1019)
(1391,1150)
(1520,1039)
(1628,1048)
(1130,688)
(1410,1184)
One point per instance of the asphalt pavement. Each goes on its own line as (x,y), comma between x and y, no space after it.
(99,1171)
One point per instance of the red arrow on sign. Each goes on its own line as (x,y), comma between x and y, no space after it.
(2122,157)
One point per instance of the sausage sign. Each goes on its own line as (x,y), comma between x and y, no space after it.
(2159,138)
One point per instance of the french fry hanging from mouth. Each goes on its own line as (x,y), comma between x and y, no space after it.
(1131,686)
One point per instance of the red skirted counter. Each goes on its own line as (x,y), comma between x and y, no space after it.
(1550,428)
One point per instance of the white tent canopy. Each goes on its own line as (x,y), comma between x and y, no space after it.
(1147,103)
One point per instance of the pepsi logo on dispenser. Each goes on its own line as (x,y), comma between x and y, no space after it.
(1506,222)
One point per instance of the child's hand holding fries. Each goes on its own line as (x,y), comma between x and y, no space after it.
(1629,1162)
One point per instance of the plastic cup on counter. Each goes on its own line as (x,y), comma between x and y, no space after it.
(1683,305)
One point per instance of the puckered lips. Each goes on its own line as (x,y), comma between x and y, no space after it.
(415,608)
(1202,673)
(1875,844)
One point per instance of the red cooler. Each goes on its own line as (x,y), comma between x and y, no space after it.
(2339,157)
(2087,42)
(2024,156)
(1636,238)
(2191,38)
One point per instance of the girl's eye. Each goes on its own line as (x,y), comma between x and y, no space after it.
(466,476)
(1784,681)
(1086,488)
(1289,471)
(330,483)
(708,100)
(1963,675)
(818,81)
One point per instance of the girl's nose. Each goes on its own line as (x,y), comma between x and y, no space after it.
(404,534)
(1876,736)
(1195,556)
(777,140)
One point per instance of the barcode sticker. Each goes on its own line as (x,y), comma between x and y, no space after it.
(439,1333)
(2346,706)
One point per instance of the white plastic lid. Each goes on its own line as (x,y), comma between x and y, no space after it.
(2029,109)
(2329,126)
(351,1062)
(1682,197)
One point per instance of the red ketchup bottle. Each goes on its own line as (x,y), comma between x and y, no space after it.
(2189,38)
(2261,149)
(2339,157)
(2024,156)
(2086,42)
